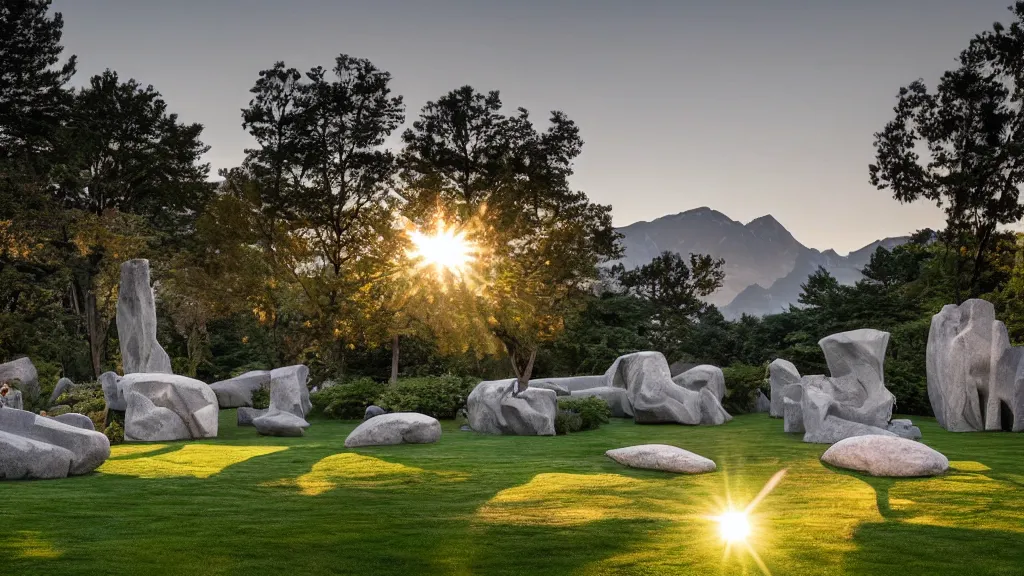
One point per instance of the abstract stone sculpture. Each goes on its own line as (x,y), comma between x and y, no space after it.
(136,322)
(21,374)
(662,457)
(372,412)
(37,447)
(975,378)
(493,409)
(395,428)
(886,456)
(853,401)
(163,407)
(289,403)
(781,373)
(703,376)
(657,399)
(237,392)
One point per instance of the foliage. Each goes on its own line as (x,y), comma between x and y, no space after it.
(506,184)
(972,128)
(593,411)
(261,397)
(567,422)
(347,400)
(83,399)
(742,384)
(115,433)
(440,397)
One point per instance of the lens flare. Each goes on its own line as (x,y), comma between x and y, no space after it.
(446,250)
(734,526)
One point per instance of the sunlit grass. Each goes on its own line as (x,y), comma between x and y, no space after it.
(473,504)
(195,460)
(26,544)
(356,470)
(121,450)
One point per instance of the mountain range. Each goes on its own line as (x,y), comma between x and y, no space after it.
(764,264)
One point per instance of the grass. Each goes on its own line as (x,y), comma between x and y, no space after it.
(472,504)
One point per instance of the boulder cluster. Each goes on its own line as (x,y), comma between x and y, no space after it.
(853,401)
(638,386)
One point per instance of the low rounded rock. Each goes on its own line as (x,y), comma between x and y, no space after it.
(662,457)
(396,428)
(889,456)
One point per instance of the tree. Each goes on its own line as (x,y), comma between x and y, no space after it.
(33,97)
(132,179)
(324,185)
(674,290)
(507,185)
(972,129)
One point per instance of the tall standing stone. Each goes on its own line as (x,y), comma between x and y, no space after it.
(136,322)
(781,373)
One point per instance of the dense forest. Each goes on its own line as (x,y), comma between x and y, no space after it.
(302,253)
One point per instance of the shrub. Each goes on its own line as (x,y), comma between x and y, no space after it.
(347,400)
(440,397)
(261,397)
(592,411)
(114,433)
(742,383)
(83,399)
(567,422)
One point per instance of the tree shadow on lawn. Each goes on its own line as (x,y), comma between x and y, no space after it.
(967,521)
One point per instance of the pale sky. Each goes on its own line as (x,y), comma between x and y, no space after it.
(747,106)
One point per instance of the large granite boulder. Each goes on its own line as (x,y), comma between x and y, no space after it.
(136,322)
(280,423)
(494,409)
(886,456)
(703,376)
(288,391)
(662,457)
(163,407)
(77,420)
(853,401)
(781,373)
(975,378)
(395,428)
(246,415)
(113,391)
(21,374)
(237,392)
(33,446)
(63,385)
(616,398)
(656,399)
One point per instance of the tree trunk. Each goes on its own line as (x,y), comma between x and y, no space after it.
(979,261)
(96,330)
(522,367)
(394,359)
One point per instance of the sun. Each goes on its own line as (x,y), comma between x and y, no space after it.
(445,249)
(734,526)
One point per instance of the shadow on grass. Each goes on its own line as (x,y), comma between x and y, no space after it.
(886,548)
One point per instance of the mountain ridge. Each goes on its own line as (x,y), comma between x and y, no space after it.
(764,263)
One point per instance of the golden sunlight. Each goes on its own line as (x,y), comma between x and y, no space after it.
(446,250)
(734,526)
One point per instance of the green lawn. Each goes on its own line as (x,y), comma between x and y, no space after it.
(473,504)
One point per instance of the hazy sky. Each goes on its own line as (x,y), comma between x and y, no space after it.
(747,106)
